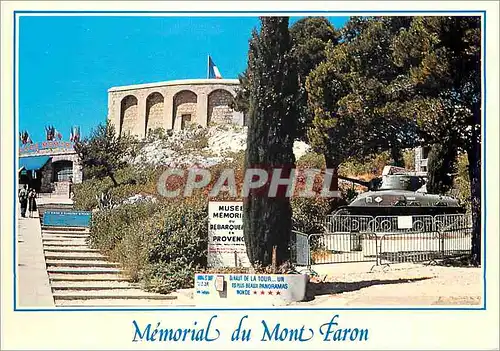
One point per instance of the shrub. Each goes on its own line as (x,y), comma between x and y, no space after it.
(157,134)
(372,166)
(311,159)
(85,193)
(109,227)
(461,182)
(409,159)
(131,181)
(309,214)
(161,245)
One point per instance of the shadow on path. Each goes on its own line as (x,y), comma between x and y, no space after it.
(329,288)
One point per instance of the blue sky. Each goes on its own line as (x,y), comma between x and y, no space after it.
(67,64)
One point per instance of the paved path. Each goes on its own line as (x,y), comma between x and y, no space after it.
(33,282)
(57,268)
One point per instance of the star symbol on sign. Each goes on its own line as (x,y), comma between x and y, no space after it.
(270,292)
(255,292)
(278,292)
(262,292)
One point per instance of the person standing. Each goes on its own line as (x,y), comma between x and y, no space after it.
(71,187)
(23,200)
(32,201)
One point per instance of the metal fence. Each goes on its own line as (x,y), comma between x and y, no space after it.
(384,239)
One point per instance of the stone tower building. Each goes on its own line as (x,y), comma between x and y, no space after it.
(138,109)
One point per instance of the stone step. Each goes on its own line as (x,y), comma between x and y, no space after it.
(117,303)
(68,250)
(49,246)
(65,229)
(65,238)
(77,242)
(59,239)
(65,243)
(83,270)
(75,231)
(85,256)
(106,277)
(92,285)
(80,263)
(136,294)
(69,236)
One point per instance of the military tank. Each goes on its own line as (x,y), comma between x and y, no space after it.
(398,192)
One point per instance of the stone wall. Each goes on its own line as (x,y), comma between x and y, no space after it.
(46,181)
(154,111)
(218,107)
(135,109)
(184,104)
(77,165)
(47,171)
(128,114)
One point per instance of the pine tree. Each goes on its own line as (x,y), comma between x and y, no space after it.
(442,55)
(103,153)
(271,126)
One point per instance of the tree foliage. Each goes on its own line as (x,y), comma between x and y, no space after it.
(391,83)
(104,153)
(357,96)
(441,165)
(309,39)
(272,122)
(442,58)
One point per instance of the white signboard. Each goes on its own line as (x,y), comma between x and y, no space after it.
(405,222)
(249,289)
(226,244)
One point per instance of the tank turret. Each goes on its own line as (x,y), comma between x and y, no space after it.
(398,192)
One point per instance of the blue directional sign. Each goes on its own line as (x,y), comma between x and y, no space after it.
(67,218)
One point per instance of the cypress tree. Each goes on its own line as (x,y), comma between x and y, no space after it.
(271,126)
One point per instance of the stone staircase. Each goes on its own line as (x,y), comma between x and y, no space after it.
(81,277)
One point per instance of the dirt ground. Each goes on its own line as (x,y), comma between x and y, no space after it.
(398,285)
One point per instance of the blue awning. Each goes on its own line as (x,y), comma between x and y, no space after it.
(33,163)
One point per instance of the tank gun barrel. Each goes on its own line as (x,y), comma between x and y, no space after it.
(356,181)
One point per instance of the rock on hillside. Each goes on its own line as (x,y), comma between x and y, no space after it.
(204,147)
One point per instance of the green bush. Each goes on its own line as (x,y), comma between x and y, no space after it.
(308,214)
(85,193)
(461,187)
(161,245)
(131,181)
(409,159)
(372,165)
(109,227)
(179,248)
(311,159)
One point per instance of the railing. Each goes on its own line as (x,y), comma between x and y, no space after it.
(384,239)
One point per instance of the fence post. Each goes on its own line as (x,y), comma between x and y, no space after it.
(308,256)
(441,243)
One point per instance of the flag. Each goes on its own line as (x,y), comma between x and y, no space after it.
(213,71)
(50,133)
(75,134)
(25,137)
(56,133)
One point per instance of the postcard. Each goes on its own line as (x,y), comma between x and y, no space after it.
(221,175)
